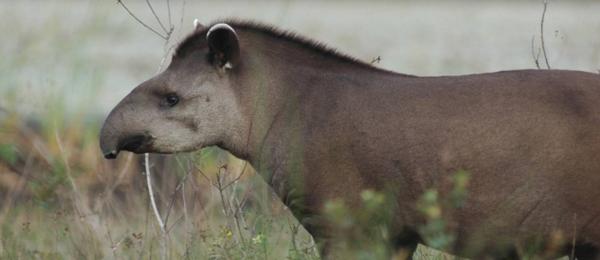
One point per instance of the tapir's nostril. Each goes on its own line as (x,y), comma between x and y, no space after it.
(111,155)
(133,143)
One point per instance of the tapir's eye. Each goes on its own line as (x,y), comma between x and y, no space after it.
(171,99)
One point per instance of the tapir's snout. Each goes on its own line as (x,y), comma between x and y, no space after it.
(115,138)
(109,140)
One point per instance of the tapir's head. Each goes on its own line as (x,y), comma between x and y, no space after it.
(190,105)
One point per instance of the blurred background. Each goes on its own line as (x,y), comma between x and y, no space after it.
(65,64)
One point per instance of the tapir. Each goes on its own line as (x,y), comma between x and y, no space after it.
(319,125)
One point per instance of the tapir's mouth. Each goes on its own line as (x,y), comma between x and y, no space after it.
(111,154)
(133,143)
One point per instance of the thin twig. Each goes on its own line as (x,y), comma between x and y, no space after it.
(542,34)
(152,201)
(156,16)
(185,211)
(182,16)
(140,21)
(175,223)
(204,175)
(169,14)
(534,55)
(237,216)
(146,222)
(219,186)
(227,206)
(66,162)
(177,188)
(163,239)
(238,177)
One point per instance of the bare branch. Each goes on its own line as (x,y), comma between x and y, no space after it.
(140,21)
(534,55)
(156,16)
(204,175)
(182,16)
(66,162)
(150,191)
(542,34)
(169,14)
(185,211)
(238,177)
(175,223)
(177,188)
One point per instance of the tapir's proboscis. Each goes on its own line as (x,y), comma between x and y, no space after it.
(319,126)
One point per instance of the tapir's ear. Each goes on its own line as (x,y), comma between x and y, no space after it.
(197,25)
(224,46)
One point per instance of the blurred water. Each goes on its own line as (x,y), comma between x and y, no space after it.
(90,54)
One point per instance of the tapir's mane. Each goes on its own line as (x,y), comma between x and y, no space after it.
(195,40)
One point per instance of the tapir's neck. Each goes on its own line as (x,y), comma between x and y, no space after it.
(274,80)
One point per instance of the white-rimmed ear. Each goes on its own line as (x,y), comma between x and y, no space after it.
(224,46)
(197,24)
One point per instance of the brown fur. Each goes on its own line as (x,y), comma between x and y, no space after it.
(318,125)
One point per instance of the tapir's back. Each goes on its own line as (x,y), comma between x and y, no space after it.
(529,139)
